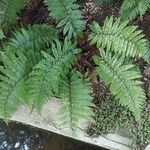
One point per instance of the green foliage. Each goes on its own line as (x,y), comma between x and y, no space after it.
(118,37)
(8,11)
(46,76)
(33,76)
(12,76)
(130,9)
(33,37)
(67,15)
(76,99)
(29,41)
(122,81)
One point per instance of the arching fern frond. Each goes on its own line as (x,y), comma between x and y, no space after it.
(45,78)
(130,9)
(68,16)
(32,37)
(12,79)
(8,11)
(122,81)
(76,99)
(118,37)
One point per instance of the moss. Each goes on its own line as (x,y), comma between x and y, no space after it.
(111,117)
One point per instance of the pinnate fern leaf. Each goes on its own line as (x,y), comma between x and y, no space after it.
(131,9)
(118,37)
(76,99)
(33,37)
(67,15)
(12,79)
(122,80)
(8,11)
(46,76)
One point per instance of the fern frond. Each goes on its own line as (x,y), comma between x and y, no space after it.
(130,9)
(12,79)
(68,16)
(8,11)
(33,37)
(75,101)
(118,37)
(46,76)
(122,82)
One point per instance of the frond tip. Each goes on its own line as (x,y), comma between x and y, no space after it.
(75,101)
(118,37)
(67,15)
(122,82)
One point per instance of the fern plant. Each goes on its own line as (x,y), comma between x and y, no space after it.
(8,11)
(117,41)
(33,37)
(118,37)
(46,75)
(67,15)
(130,9)
(13,75)
(41,78)
(34,65)
(122,81)
(75,92)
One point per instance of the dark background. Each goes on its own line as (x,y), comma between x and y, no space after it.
(15,136)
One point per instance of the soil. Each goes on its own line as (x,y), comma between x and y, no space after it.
(36,13)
